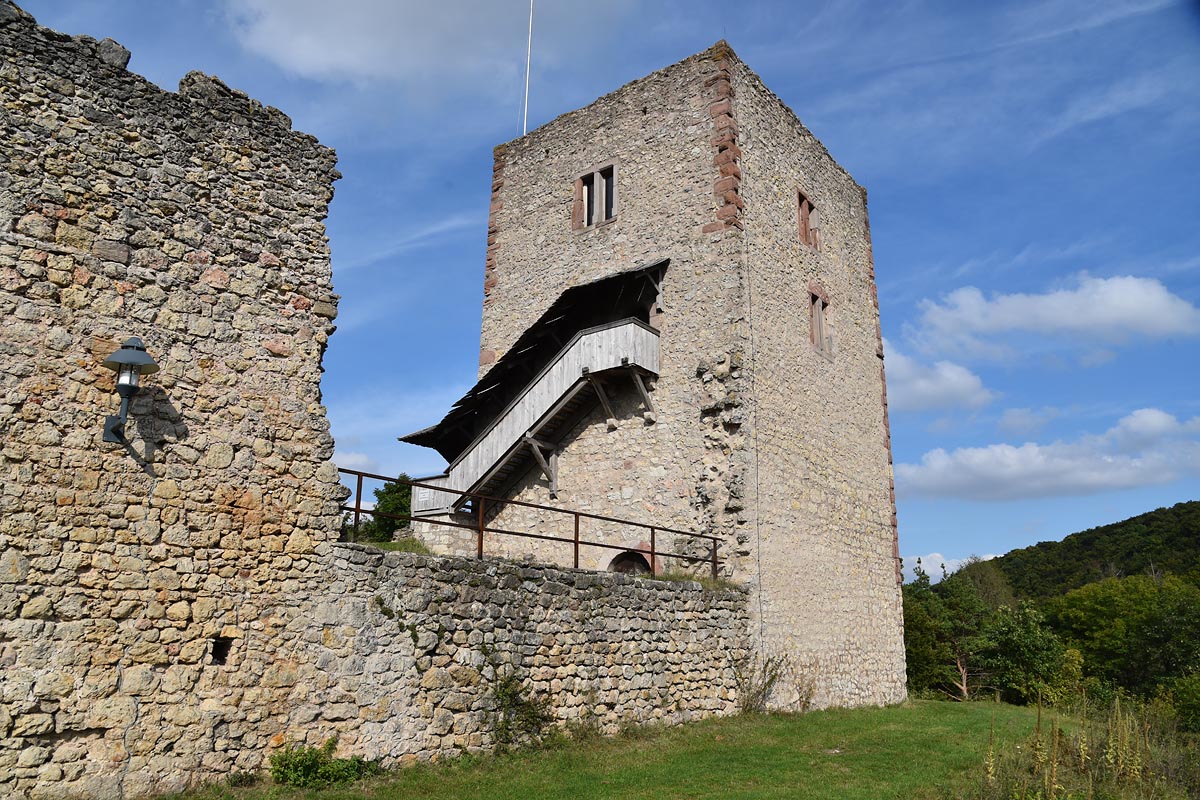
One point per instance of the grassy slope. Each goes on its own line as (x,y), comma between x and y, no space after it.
(923,749)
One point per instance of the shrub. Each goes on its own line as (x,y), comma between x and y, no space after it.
(313,767)
(520,719)
(1185,697)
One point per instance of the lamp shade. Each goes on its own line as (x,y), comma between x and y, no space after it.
(132,354)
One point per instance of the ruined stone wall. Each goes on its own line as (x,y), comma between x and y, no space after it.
(192,220)
(828,570)
(664,135)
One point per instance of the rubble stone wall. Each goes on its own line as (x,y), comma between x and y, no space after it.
(192,220)
(398,654)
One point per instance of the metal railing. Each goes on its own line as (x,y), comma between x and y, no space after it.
(479,510)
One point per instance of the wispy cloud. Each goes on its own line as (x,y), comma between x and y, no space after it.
(1128,94)
(1145,448)
(474,47)
(359,461)
(409,239)
(366,423)
(1025,422)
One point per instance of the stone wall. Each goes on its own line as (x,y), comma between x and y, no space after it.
(192,220)
(398,654)
(175,607)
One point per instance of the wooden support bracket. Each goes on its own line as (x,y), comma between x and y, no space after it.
(608,409)
(650,416)
(549,468)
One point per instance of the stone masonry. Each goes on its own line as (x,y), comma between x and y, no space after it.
(175,608)
(760,436)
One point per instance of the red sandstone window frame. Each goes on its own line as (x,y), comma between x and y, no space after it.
(595,198)
(808,220)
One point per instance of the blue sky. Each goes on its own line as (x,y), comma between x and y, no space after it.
(1034,180)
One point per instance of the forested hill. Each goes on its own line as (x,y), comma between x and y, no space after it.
(1166,540)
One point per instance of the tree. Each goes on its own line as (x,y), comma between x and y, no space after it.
(942,625)
(1022,654)
(926,655)
(1134,632)
(991,584)
(393,505)
(965,615)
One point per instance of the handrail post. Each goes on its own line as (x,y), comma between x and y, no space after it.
(576,515)
(714,559)
(479,524)
(357,504)
(653,558)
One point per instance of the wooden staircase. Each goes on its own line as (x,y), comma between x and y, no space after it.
(529,429)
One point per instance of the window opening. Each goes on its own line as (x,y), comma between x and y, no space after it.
(609,180)
(220,649)
(809,218)
(589,199)
(822,337)
(595,198)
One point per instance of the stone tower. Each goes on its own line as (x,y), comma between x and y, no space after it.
(694,203)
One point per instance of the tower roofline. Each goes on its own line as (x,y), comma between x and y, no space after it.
(720,50)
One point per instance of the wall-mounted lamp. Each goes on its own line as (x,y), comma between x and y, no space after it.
(130,363)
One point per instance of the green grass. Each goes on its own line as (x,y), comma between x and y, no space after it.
(922,749)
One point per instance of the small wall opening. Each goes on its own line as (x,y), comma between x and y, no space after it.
(630,563)
(220,649)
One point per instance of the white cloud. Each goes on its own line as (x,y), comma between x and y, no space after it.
(1026,421)
(1147,427)
(1147,447)
(1106,309)
(468,46)
(359,461)
(913,386)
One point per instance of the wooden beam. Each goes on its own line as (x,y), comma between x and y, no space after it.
(549,447)
(608,409)
(549,469)
(650,415)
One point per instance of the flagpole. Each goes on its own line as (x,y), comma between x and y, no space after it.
(528,53)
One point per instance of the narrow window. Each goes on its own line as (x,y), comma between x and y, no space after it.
(809,222)
(822,337)
(609,179)
(589,199)
(595,198)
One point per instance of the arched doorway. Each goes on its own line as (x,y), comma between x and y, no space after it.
(630,563)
